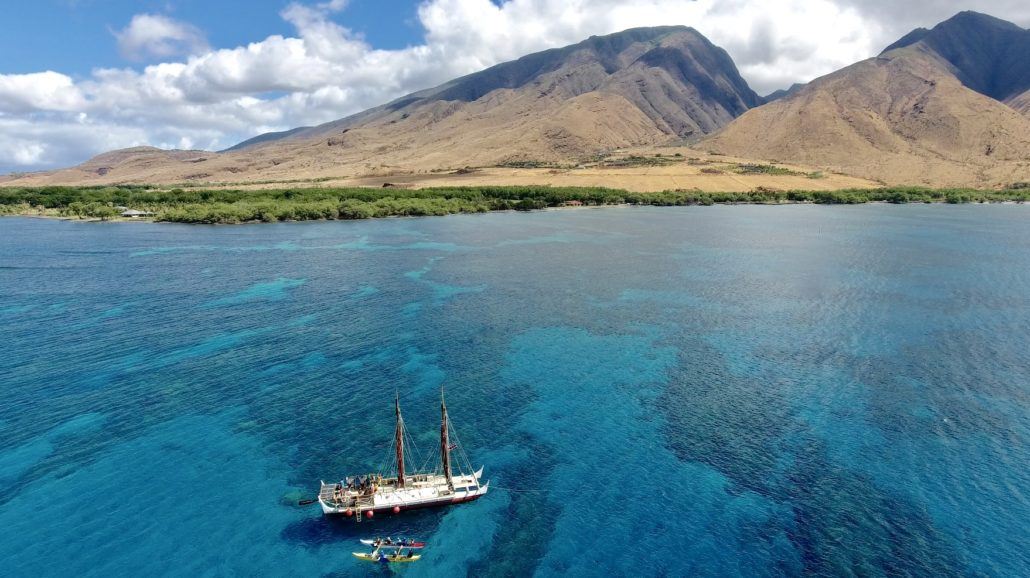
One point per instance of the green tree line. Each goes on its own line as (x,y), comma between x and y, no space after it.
(298,204)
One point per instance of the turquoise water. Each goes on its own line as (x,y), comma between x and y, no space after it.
(711,391)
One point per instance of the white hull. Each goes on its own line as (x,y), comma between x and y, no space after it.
(420,491)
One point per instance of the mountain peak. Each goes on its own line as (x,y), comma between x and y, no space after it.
(673,74)
(783,92)
(971,18)
(989,55)
(642,32)
(611,51)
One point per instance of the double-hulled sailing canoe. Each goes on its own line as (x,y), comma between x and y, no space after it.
(374,494)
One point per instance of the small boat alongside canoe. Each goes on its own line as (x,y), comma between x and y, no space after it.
(391,543)
(389,551)
(374,494)
(395,557)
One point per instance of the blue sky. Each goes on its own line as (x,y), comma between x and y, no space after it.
(75,36)
(81,77)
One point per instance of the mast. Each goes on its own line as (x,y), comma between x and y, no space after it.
(399,442)
(445,446)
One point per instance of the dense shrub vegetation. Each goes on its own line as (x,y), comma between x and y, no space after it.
(640,161)
(240,206)
(757,169)
(530,164)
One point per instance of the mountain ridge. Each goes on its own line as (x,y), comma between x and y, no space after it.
(945,106)
(639,87)
(614,53)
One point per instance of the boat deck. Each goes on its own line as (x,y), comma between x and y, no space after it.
(418,491)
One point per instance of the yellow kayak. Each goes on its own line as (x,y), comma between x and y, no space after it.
(386,557)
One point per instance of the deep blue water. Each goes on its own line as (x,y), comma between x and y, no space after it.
(716,391)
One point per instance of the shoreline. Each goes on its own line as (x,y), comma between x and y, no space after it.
(70,218)
(126,203)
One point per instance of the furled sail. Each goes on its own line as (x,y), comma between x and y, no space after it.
(445,446)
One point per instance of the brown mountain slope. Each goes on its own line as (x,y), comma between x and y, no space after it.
(639,87)
(901,119)
(904,117)
(673,74)
(1020,102)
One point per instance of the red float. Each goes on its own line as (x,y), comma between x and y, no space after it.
(348,513)
(396,509)
(370,514)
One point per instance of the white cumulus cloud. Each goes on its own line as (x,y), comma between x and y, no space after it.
(21,93)
(158,36)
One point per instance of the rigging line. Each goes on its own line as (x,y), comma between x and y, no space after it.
(421,460)
(433,457)
(462,454)
(413,453)
(387,459)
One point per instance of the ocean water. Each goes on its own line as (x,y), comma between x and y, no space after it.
(707,391)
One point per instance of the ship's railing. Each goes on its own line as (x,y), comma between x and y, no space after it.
(326,492)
